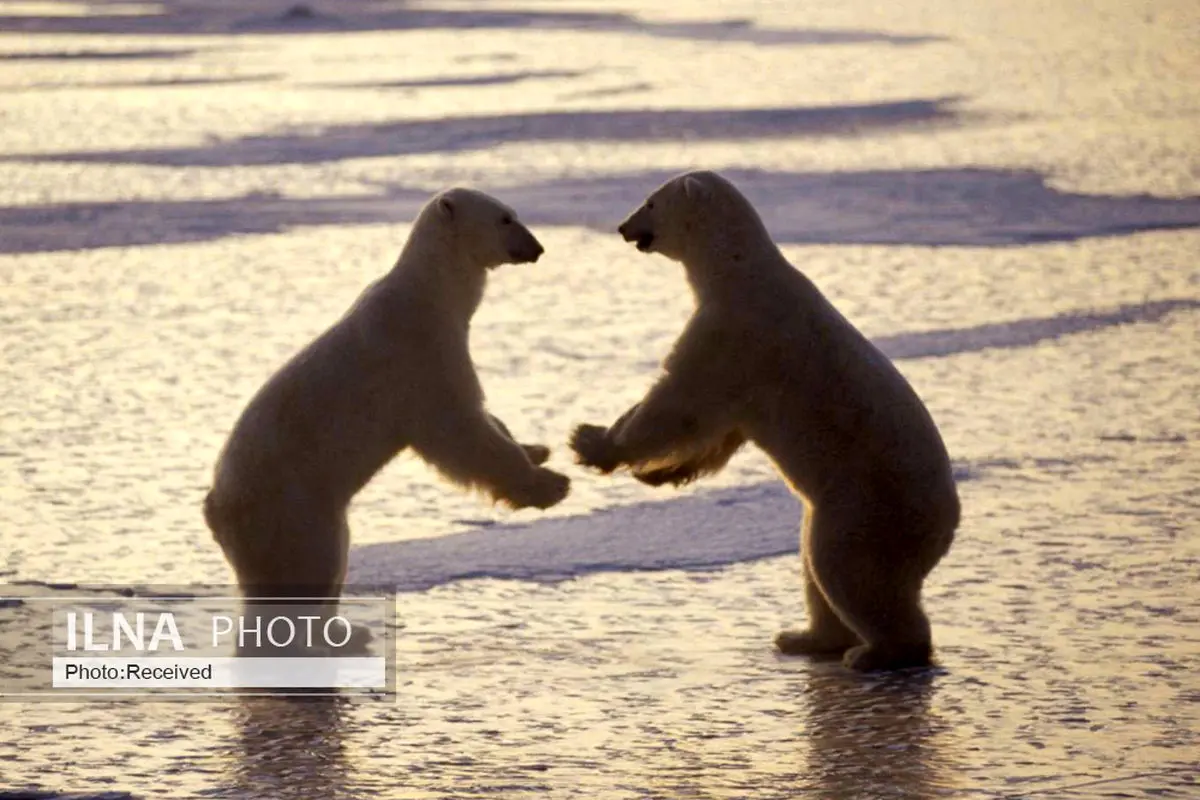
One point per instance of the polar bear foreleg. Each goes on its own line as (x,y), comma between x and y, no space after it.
(469,449)
(536,453)
(674,425)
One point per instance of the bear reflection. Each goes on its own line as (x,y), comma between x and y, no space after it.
(290,747)
(867,738)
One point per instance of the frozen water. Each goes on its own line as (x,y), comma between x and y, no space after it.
(1006,198)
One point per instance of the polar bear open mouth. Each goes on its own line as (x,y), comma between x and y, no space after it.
(644,241)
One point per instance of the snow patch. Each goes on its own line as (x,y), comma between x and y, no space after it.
(694,532)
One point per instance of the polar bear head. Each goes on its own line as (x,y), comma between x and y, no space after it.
(481,230)
(692,217)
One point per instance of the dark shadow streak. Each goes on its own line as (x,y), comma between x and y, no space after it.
(156,83)
(458,134)
(226,18)
(76,226)
(1025,332)
(965,207)
(97,55)
(608,91)
(460,80)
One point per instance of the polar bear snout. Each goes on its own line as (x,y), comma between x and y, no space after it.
(631,231)
(524,247)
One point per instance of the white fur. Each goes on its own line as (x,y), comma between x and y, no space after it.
(394,372)
(767,359)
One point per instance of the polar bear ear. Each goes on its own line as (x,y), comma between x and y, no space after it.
(693,188)
(446,207)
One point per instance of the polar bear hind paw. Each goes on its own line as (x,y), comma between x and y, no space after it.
(879,658)
(810,643)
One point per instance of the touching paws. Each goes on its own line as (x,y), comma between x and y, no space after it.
(593,448)
(537,454)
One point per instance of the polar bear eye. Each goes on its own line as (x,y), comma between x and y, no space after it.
(506,219)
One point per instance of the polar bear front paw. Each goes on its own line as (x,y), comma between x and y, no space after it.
(537,454)
(593,448)
(546,489)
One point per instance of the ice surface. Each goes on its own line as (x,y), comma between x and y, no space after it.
(970,207)
(1006,198)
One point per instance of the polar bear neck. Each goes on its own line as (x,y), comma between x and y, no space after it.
(723,261)
(437,269)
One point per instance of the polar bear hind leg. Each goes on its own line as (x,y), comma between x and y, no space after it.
(826,637)
(289,555)
(873,595)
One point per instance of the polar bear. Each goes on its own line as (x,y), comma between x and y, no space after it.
(767,359)
(394,373)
